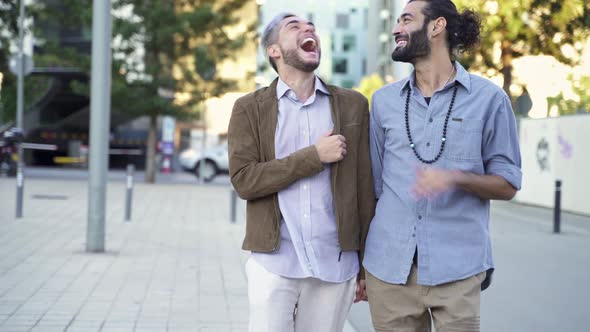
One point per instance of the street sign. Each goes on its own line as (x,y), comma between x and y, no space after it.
(14,62)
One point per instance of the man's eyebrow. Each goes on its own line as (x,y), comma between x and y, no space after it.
(404,15)
(297,21)
(292,22)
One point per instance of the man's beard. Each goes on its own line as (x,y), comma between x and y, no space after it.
(417,46)
(291,58)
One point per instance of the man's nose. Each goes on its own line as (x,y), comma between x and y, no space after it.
(396,29)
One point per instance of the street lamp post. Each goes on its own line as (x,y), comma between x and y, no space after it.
(100,110)
(19,111)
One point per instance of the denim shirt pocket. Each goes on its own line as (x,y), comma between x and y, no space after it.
(463,142)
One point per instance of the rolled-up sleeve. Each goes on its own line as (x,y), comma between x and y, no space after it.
(500,149)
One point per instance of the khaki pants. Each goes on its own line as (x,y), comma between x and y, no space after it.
(452,306)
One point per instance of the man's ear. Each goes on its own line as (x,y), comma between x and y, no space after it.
(438,27)
(273,51)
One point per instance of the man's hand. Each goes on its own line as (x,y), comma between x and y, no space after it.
(331,148)
(431,182)
(361,291)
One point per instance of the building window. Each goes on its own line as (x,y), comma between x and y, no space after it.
(333,43)
(342,21)
(348,43)
(340,66)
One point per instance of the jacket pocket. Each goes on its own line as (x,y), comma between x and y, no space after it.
(351,132)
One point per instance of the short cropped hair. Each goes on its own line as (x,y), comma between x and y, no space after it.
(271,34)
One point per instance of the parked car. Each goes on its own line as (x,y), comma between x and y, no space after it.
(215,161)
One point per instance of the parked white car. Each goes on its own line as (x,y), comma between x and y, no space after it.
(215,161)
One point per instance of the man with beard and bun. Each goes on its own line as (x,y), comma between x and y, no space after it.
(443,144)
(299,155)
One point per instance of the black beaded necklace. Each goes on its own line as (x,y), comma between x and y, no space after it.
(444,135)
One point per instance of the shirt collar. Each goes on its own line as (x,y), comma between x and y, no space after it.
(283,88)
(462,77)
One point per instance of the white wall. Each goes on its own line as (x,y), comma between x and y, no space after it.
(567,158)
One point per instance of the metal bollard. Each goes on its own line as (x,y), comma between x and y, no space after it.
(129,196)
(232,205)
(19,188)
(557,208)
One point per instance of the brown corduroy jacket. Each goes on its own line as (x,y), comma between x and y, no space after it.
(257,176)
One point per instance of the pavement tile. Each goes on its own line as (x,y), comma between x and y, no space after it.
(166,270)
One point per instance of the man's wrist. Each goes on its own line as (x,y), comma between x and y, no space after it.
(459,178)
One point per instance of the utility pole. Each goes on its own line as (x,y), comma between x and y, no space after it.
(100,110)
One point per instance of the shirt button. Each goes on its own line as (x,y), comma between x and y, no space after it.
(430,120)
(419,217)
(413,235)
(305,215)
(428,144)
(304,186)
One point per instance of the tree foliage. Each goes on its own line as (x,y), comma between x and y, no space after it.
(47,20)
(580,87)
(175,46)
(369,84)
(515,28)
(161,50)
(172,46)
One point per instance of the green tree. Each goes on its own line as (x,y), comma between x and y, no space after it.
(369,84)
(47,17)
(515,28)
(173,46)
(580,87)
(8,32)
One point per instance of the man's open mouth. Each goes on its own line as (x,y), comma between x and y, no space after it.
(309,45)
(401,41)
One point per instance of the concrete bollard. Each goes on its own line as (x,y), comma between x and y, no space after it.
(557,208)
(19,189)
(129,195)
(233,199)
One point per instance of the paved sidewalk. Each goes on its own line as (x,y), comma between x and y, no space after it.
(175,267)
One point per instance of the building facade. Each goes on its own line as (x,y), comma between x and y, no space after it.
(380,43)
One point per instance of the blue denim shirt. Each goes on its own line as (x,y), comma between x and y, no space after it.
(450,231)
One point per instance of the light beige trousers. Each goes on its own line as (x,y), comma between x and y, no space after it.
(279,304)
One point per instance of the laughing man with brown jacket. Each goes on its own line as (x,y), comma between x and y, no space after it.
(299,155)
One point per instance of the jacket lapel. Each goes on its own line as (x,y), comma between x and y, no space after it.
(334,107)
(334,100)
(268,109)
